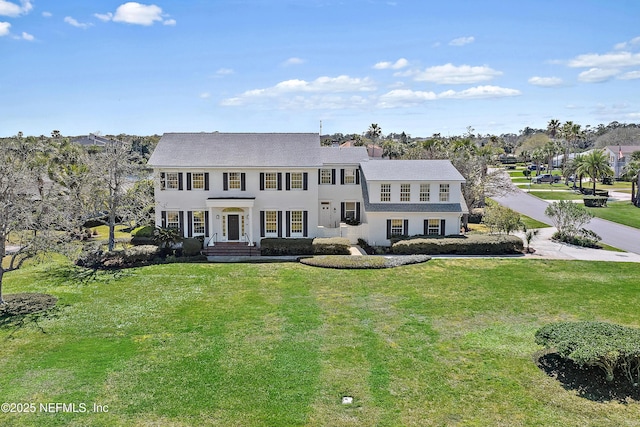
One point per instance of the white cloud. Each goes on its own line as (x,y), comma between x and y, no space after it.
(224,72)
(386,65)
(4,28)
(74,23)
(546,81)
(293,61)
(481,92)
(597,75)
(451,74)
(137,14)
(27,37)
(628,44)
(297,87)
(106,17)
(461,41)
(11,9)
(405,98)
(607,60)
(205,95)
(631,75)
(47,14)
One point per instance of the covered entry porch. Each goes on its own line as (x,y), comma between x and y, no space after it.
(230,220)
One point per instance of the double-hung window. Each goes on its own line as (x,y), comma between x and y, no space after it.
(433,227)
(296,181)
(405,192)
(198,223)
(326,176)
(173,220)
(385,192)
(350,211)
(270,181)
(350,176)
(271,222)
(172,181)
(197,181)
(296,223)
(397,227)
(444,192)
(424,192)
(235,181)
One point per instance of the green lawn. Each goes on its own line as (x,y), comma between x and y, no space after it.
(556,195)
(448,342)
(620,212)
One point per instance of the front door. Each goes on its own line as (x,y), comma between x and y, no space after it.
(325,214)
(233,225)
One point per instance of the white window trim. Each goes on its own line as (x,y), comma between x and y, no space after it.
(382,192)
(300,221)
(351,175)
(425,192)
(238,181)
(447,193)
(402,231)
(275,181)
(328,173)
(193,181)
(291,181)
(167,180)
(404,194)
(268,233)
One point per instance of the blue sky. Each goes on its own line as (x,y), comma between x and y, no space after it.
(416,66)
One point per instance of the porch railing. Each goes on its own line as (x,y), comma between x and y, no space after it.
(212,241)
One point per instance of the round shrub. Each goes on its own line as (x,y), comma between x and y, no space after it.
(191,246)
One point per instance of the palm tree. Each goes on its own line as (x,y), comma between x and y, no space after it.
(631,172)
(374,132)
(595,165)
(553,128)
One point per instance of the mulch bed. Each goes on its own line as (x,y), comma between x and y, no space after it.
(588,382)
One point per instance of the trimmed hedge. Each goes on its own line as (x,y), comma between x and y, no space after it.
(595,201)
(612,348)
(331,246)
(276,246)
(191,246)
(476,244)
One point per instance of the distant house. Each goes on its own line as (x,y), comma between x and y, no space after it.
(619,156)
(373,151)
(242,187)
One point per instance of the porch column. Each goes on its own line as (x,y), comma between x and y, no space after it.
(250,225)
(211,231)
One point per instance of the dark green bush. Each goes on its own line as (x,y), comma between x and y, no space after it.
(191,246)
(331,246)
(275,246)
(146,231)
(480,244)
(595,201)
(475,216)
(585,238)
(608,346)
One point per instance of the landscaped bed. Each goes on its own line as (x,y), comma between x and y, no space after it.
(363,261)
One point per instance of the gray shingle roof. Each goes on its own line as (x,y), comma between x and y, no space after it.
(237,150)
(411,170)
(409,207)
(353,155)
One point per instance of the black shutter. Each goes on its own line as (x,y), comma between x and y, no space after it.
(225,181)
(425,228)
(342,209)
(388,229)
(243,181)
(305,181)
(357,172)
(190,223)
(319,176)
(288,218)
(163,221)
(305,216)
(181,222)
(180,185)
(358,211)
(405,229)
(206,181)
(261,223)
(333,176)
(206,223)
(287,178)
(279,176)
(261,181)
(279,223)
(163,181)
(188,181)
(442,224)
(341,176)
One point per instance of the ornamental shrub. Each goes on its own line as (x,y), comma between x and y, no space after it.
(613,348)
(191,246)
(331,246)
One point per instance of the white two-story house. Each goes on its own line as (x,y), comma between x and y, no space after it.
(242,187)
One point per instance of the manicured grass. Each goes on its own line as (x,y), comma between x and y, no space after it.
(620,212)
(448,342)
(556,195)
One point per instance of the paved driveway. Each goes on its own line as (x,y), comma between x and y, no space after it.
(616,235)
